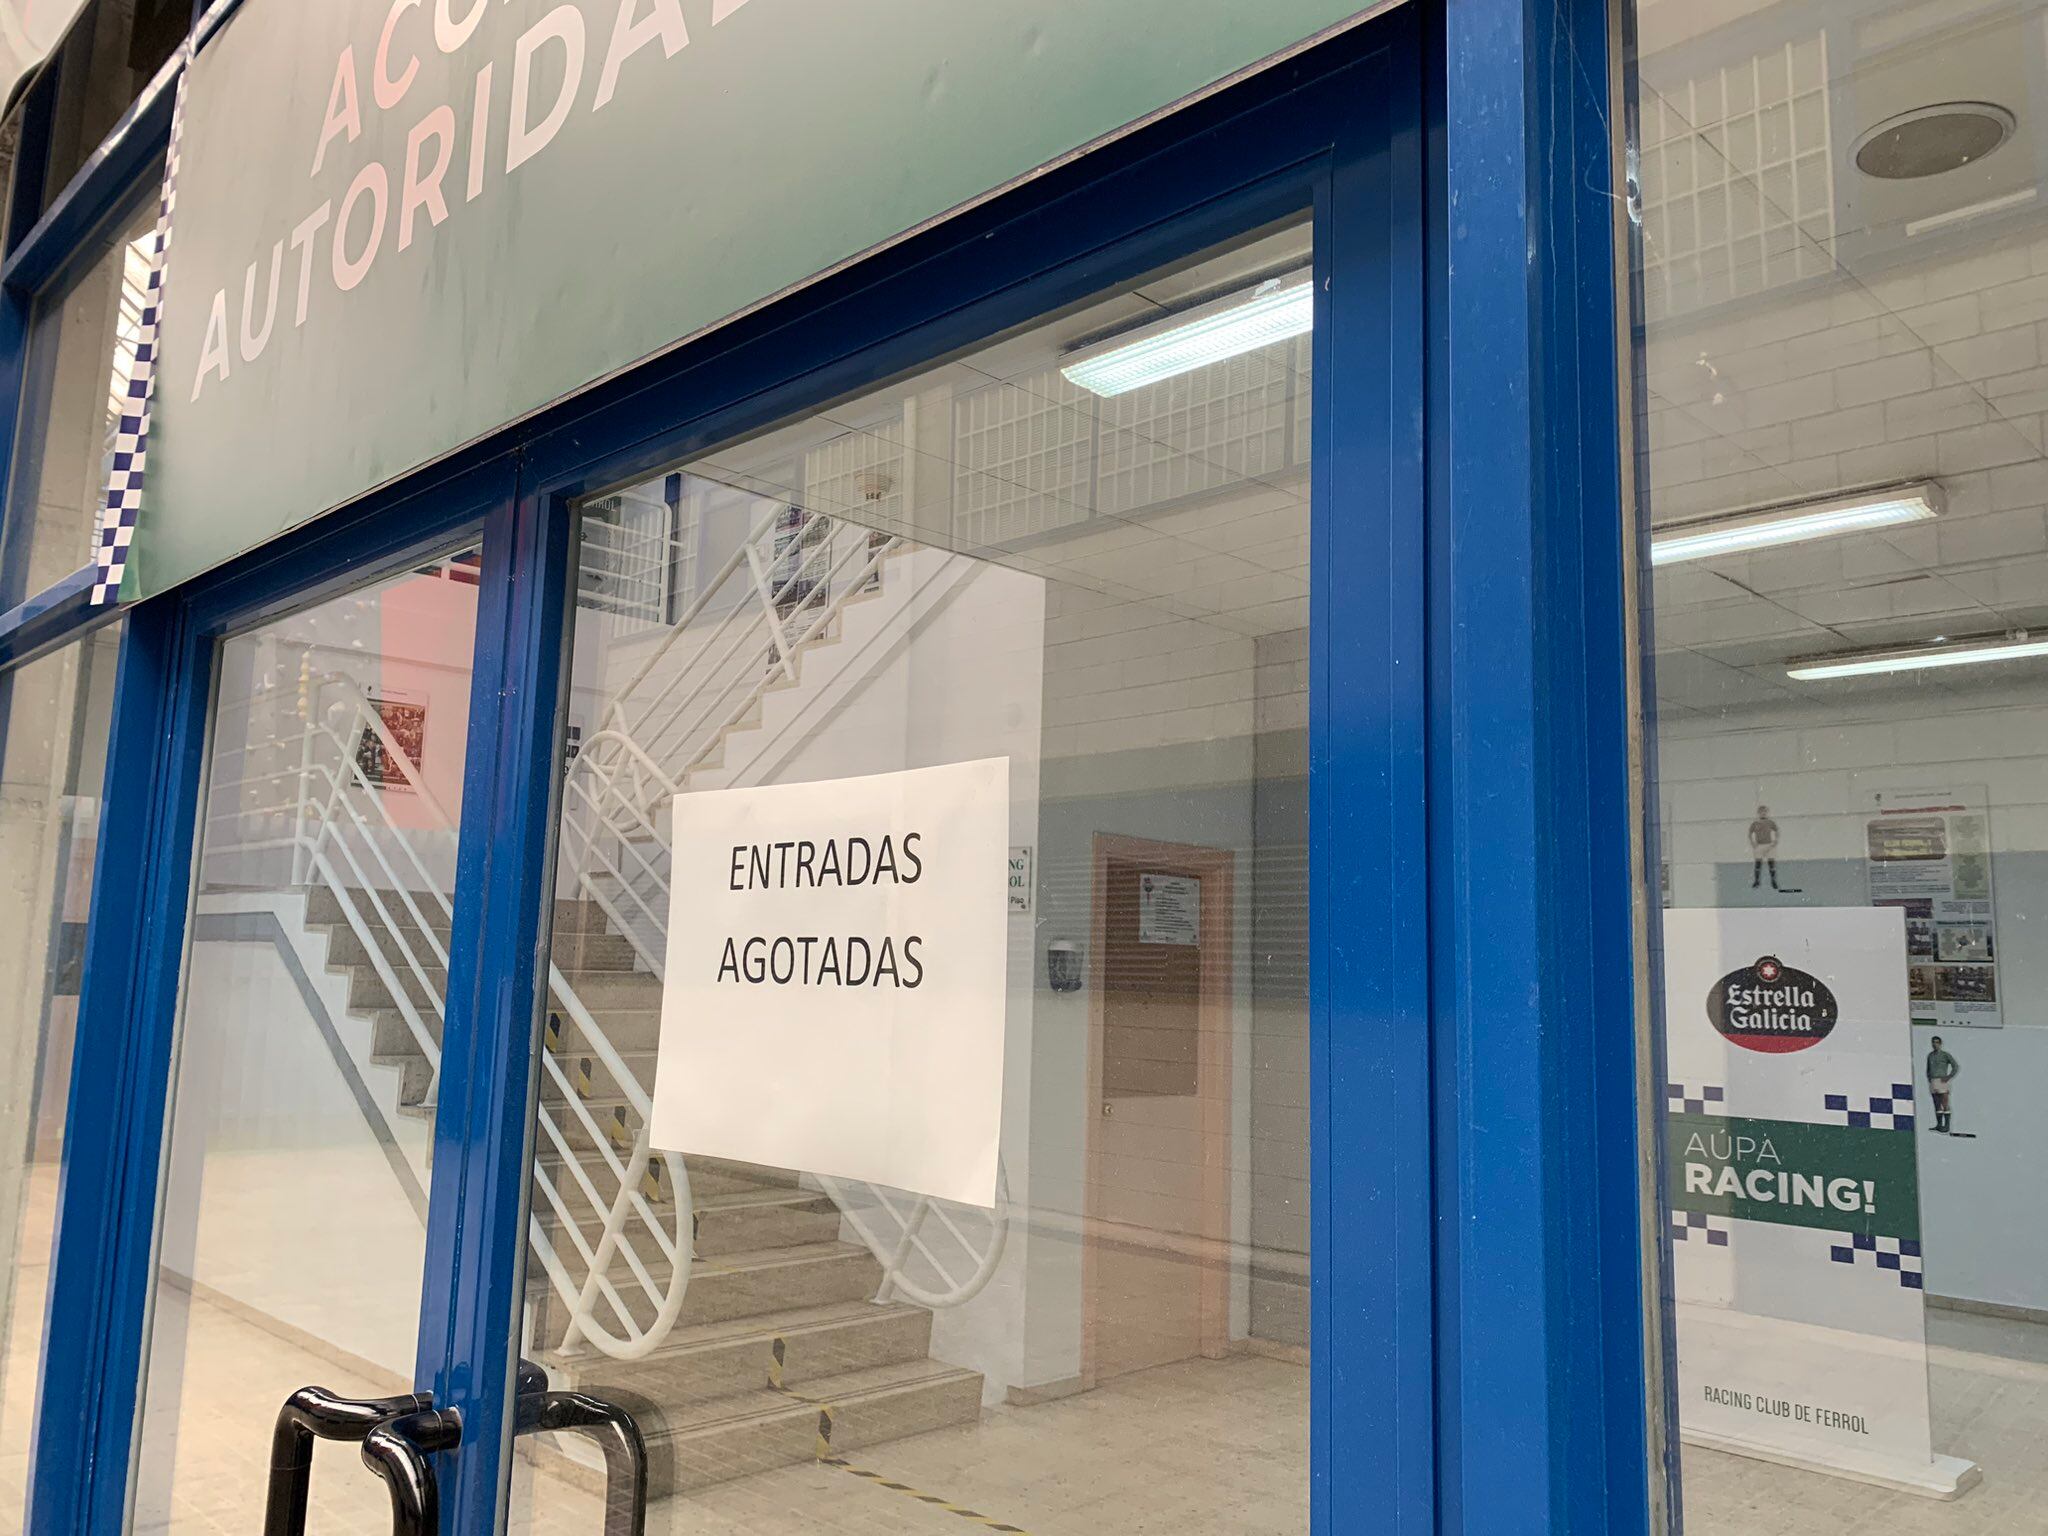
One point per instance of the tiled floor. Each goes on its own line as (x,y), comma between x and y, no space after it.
(1205,1448)
(1989,1381)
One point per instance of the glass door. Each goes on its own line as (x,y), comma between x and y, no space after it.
(924,1113)
(291,1240)
(822,1035)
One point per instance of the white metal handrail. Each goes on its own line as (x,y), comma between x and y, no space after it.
(339,814)
(625,774)
(699,683)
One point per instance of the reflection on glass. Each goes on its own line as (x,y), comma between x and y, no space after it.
(291,1237)
(81,354)
(1842,251)
(55,713)
(815,637)
(103,64)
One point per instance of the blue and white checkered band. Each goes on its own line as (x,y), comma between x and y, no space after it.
(123,505)
(1879,1112)
(1686,1225)
(1899,1255)
(1684,1099)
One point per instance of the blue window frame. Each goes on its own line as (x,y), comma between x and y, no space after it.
(1477,1241)
(42,255)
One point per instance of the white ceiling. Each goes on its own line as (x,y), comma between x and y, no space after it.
(1875,357)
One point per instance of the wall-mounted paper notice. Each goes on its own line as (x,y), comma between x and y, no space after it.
(1169,909)
(836,978)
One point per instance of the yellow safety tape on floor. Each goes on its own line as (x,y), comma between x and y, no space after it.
(778,1353)
(931,1499)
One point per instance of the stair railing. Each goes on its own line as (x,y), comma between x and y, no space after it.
(709,678)
(701,682)
(345,838)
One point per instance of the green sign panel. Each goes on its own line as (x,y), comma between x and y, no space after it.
(1837,1178)
(403,223)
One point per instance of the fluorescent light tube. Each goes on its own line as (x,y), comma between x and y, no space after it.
(1767,527)
(1962,653)
(2005,204)
(1276,310)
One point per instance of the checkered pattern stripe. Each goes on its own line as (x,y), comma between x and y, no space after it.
(1880,1112)
(1707,1099)
(1685,1223)
(1900,1255)
(123,506)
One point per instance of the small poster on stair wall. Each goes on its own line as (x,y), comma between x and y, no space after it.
(405,717)
(836,978)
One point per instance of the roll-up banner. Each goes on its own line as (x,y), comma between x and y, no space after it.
(401,224)
(1792,1099)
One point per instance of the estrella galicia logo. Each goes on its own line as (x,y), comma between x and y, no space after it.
(1771,1007)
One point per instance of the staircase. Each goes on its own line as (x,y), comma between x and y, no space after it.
(780,1354)
(779,1348)
(751,1314)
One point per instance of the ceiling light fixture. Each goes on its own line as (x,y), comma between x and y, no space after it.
(1931,140)
(1954,653)
(1954,216)
(1732,533)
(1278,309)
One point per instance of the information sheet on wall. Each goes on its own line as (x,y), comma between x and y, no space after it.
(1929,855)
(1794,1192)
(1169,909)
(835,989)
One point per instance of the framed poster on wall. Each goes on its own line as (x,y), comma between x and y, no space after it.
(405,719)
(1928,853)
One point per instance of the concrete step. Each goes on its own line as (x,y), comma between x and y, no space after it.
(592,949)
(613,1129)
(346,950)
(628,1029)
(738,1221)
(367,991)
(697,1446)
(754,1284)
(617,988)
(415,1080)
(708,1176)
(323,909)
(571,1052)
(391,1037)
(717,1360)
(744,1222)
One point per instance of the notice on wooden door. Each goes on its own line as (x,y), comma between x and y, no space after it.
(1169,909)
(835,989)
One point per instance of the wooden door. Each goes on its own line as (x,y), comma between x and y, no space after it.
(1157,1250)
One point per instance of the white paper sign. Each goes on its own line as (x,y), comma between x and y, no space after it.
(1169,909)
(834,998)
(1020,880)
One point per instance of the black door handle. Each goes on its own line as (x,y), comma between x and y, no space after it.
(314,1413)
(399,1451)
(536,1410)
(400,1434)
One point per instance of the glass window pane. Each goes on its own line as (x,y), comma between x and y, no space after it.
(80,355)
(1844,497)
(110,54)
(933,871)
(292,1227)
(55,713)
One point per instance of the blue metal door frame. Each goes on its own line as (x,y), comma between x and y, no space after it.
(1476,1231)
